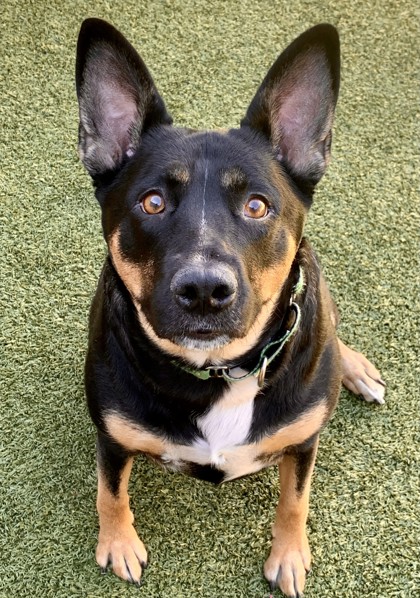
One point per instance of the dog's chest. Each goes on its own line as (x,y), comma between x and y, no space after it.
(221,450)
(224,430)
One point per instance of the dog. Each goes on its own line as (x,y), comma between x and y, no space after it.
(212,339)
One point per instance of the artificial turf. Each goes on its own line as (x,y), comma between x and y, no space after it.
(208,542)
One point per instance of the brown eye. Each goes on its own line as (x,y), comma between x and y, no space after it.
(256,207)
(153,203)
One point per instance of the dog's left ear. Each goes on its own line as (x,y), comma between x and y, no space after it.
(294,107)
(118,99)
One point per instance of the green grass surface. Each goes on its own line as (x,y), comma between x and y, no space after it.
(207,59)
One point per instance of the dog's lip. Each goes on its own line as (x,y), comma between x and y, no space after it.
(203,339)
(204,333)
(204,330)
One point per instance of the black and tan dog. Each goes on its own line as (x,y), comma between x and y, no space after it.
(212,343)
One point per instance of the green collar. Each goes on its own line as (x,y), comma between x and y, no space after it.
(265,358)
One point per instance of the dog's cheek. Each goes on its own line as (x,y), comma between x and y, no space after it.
(293,209)
(272,279)
(268,277)
(136,277)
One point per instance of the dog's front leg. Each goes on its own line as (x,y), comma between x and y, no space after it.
(118,542)
(290,556)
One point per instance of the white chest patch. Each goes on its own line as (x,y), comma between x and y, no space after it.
(227,424)
(225,428)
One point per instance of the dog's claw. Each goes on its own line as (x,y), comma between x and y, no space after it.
(371,395)
(130,577)
(369,389)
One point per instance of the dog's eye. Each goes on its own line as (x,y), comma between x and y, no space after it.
(256,207)
(153,203)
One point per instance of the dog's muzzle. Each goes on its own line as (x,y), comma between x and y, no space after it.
(204,289)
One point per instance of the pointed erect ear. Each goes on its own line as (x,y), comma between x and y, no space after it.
(295,104)
(118,100)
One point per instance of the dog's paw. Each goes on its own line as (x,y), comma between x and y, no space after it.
(361,377)
(287,566)
(122,549)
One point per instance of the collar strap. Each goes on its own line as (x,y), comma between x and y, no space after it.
(268,353)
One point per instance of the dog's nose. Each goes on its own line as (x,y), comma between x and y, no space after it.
(204,289)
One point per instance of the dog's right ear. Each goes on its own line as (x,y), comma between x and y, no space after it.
(118,100)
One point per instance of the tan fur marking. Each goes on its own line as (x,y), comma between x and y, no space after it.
(179,173)
(238,460)
(290,552)
(118,541)
(129,273)
(232,177)
(272,279)
(114,508)
(297,432)
(293,213)
(132,436)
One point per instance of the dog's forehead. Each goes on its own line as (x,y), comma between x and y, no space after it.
(226,156)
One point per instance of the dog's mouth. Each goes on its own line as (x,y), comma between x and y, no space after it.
(205,333)
(203,339)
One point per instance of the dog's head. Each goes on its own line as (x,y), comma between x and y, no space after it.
(203,227)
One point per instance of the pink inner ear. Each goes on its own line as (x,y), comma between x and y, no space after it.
(119,113)
(301,110)
(111,98)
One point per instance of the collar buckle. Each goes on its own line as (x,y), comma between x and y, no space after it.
(217,372)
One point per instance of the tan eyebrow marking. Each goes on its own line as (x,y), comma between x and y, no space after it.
(233,178)
(179,173)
